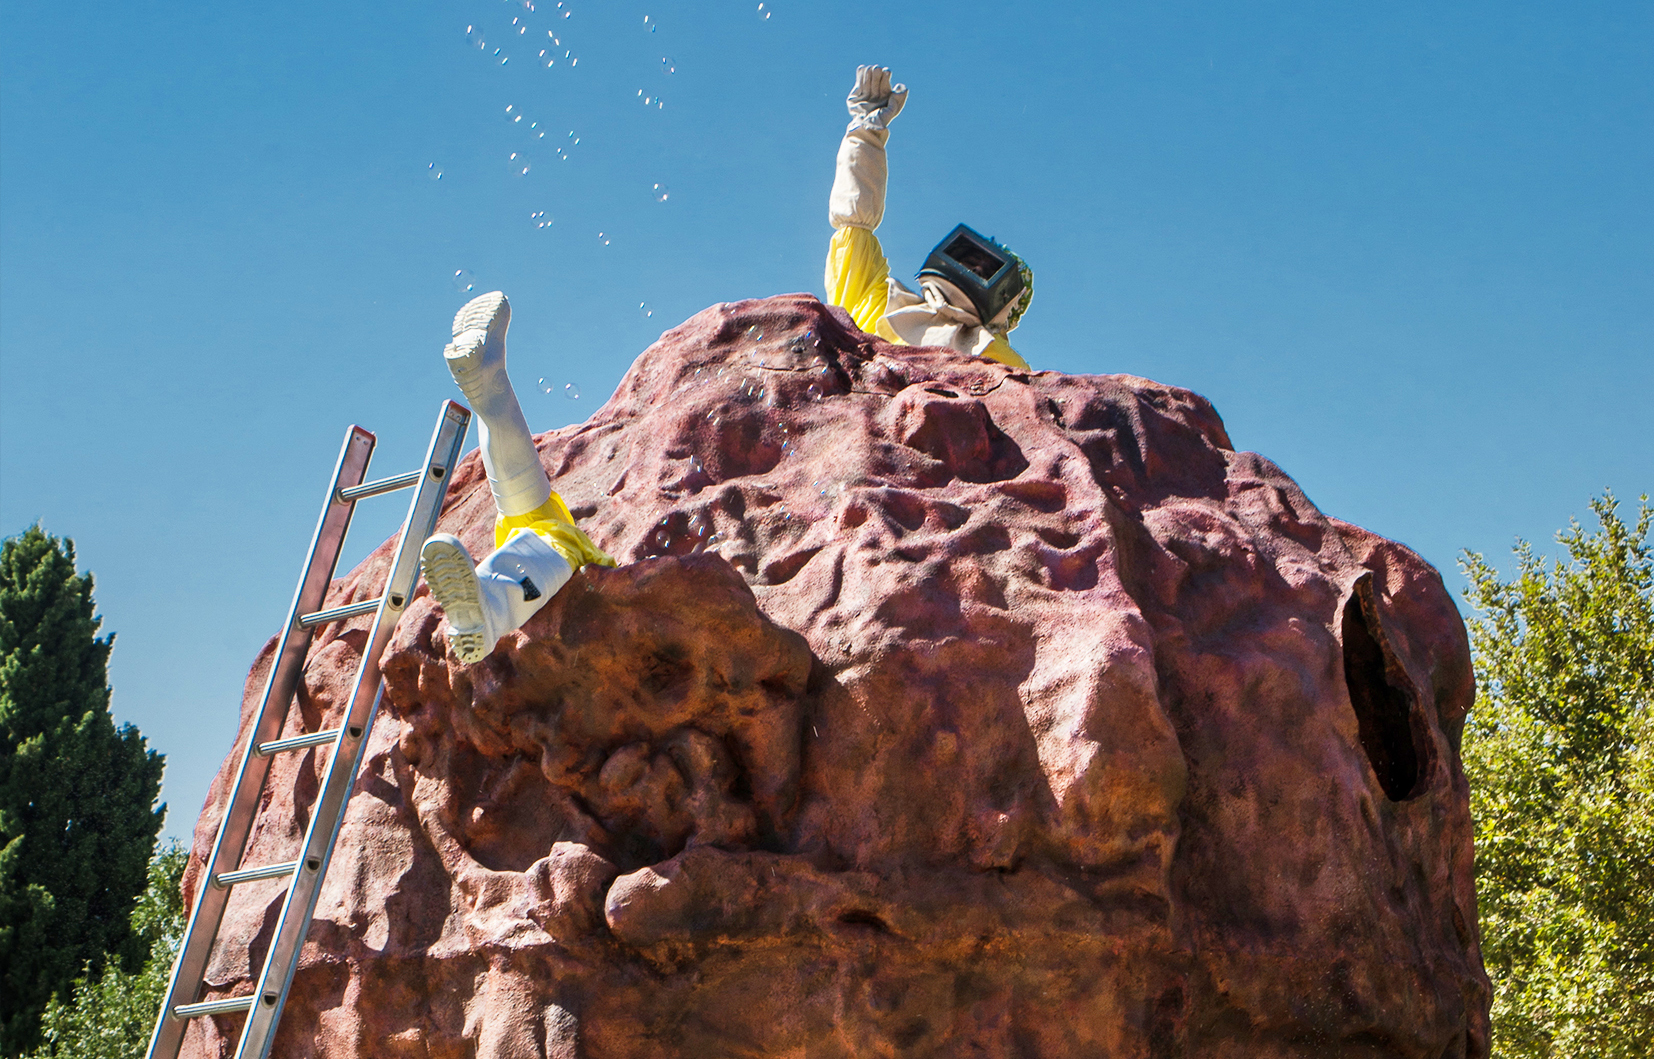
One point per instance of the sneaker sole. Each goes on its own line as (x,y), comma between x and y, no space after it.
(479,313)
(453,582)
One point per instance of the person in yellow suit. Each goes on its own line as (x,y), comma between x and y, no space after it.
(972,289)
(537,546)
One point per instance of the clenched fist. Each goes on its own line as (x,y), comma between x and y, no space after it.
(874,101)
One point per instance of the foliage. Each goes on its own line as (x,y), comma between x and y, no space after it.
(1560,754)
(111,1016)
(78,813)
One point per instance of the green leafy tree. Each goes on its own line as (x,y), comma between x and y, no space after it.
(78,812)
(110,1016)
(1560,754)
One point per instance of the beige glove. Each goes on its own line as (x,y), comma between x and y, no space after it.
(857,199)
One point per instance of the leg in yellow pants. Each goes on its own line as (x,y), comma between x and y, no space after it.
(537,546)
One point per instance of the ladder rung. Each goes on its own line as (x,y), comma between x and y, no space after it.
(349,610)
(383,485)
(227,1006)
(297,742)
(269,871)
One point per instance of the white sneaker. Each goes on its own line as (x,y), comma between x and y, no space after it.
(485,601)
(453,579)
(476,356)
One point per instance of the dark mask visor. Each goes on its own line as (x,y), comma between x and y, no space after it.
(983,269)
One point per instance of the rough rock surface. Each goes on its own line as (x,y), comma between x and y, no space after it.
(936,709)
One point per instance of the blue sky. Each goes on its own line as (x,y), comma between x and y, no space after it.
(1407,250)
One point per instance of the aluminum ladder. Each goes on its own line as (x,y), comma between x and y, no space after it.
(224,869)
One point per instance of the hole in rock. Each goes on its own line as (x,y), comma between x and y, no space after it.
(1383,710)
(858,918)
(786,567)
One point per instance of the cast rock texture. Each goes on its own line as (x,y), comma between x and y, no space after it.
(936,709)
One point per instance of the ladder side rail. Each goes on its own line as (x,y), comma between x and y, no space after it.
(328,813)
(189,967)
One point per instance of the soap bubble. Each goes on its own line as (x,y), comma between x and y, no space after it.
(644,309)
(473,36)
(668,65)
(571,391)
(660,538)
(433,171)
(603,238)
(762,13)
(540,219)
(755,333)
(696,468)
(662,192)
(649,23)
(812,392)
(463,280)
(546,385)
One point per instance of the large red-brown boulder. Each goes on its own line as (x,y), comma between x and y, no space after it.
(935,709)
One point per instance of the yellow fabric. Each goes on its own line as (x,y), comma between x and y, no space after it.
(1001,350)
(856,275)
(552,521)
(858,280)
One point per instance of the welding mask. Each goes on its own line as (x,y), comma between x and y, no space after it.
(986,272)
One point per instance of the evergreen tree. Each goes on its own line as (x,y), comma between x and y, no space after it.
(1559,751)
(111,1016)
(78,813)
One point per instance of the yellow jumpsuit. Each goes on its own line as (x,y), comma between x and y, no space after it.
(858,280)
(552,521)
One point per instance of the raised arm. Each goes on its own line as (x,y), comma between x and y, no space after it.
(856,268)
(857,200)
